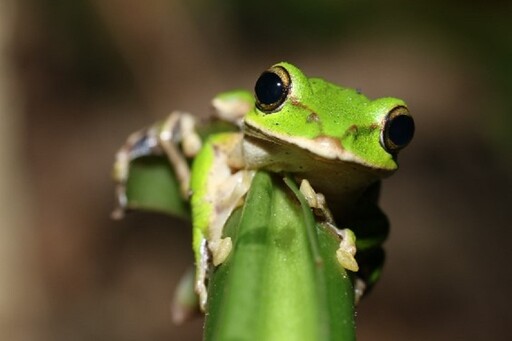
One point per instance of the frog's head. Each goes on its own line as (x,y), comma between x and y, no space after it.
(330,122)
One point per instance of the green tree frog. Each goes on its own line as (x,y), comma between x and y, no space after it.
(335,141)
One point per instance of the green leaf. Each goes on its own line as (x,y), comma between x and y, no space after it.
(152,186)
(282,280)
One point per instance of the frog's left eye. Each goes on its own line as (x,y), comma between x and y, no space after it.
(398,130)
(272,88)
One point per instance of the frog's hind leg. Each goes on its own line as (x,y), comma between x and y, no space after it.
(175,137)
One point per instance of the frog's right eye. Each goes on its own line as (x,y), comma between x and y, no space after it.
(398,129)
(272,88)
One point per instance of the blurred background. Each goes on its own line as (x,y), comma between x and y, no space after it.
(76,77)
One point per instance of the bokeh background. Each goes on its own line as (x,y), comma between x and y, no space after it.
(76,77)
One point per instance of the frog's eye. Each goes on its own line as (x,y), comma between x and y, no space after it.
(272,88)
(398,130)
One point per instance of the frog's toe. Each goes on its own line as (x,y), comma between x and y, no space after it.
(347,250)
(220,250)
(309,193)
(316,201)
(347,260)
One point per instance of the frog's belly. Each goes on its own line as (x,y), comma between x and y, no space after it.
(340,181)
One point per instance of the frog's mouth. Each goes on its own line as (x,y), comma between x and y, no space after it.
(323,146)
(326,148)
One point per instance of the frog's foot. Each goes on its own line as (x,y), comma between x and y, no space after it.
(347,250)
(140,143)
(201,275)
(233,106)
(176,137)
(316,201)
(220,250)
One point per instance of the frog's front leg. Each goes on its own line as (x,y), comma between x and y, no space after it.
(347,249)
(175,137)
(219,184)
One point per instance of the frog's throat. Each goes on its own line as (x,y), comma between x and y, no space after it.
(323,146)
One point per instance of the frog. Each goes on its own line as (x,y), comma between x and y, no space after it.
(337,143)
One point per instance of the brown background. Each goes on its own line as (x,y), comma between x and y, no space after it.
(77,76)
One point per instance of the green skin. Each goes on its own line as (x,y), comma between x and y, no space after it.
(328,136)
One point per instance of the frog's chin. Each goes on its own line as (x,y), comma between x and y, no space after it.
(278,156)
(339,180)
(324,149)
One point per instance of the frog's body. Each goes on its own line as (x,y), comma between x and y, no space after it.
(333,139)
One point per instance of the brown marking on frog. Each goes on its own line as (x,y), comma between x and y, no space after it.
(313,117)
(329,142)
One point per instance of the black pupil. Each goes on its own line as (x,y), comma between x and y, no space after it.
(269,88)
(401,130)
